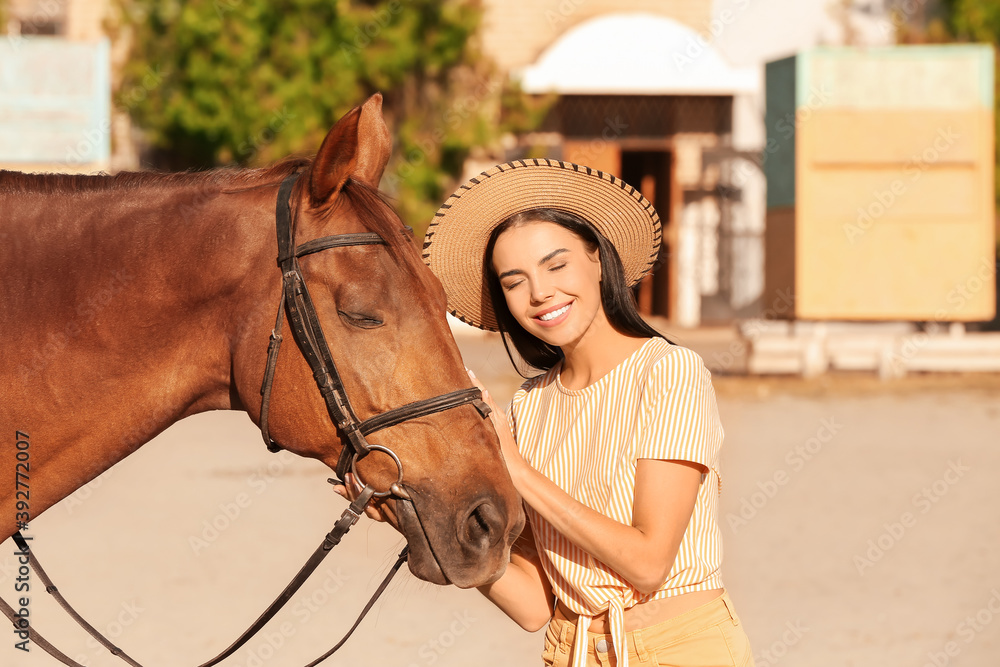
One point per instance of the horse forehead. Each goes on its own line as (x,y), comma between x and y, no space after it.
(385,274)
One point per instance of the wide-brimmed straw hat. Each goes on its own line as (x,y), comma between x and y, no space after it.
(456,239)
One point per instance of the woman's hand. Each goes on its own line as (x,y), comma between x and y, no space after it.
(508,447)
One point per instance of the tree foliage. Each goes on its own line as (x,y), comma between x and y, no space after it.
(250,81)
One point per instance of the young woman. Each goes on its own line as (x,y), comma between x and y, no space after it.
(614,443)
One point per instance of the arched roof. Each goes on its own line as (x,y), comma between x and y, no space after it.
(635,54)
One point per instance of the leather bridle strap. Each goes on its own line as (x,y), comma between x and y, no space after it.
(332,539)
(52,590)
(419,409)
(297,303)
(338,241)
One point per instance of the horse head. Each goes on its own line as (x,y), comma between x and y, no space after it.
(382,313)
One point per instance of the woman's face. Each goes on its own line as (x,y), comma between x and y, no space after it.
(550,280)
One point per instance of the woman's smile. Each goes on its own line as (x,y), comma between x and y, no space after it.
(551,281)
(554,316)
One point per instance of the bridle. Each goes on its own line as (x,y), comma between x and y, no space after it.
(308,334)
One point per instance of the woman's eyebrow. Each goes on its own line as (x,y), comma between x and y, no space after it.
(514,272)
(551,255)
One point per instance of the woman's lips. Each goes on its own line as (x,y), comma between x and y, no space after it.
(556,320)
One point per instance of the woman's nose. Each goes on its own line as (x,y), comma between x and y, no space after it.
(541,291)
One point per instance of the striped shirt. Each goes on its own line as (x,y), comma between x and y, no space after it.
(656,404)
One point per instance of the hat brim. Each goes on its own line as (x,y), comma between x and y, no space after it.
(456,239)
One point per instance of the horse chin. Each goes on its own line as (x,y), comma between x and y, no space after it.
(421,560)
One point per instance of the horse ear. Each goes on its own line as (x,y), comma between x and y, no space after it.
(358,146)
(374,142)
(337,158)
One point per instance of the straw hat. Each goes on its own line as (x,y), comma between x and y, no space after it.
(456,238)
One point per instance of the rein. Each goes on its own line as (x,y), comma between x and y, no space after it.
(307,332)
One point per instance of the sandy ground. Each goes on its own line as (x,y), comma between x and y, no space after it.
(860,522)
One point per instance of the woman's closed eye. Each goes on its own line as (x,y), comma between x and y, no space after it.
(509,286)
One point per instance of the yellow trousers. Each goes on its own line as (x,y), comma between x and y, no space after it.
(707,636)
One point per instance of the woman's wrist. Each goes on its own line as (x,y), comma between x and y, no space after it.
(520,472)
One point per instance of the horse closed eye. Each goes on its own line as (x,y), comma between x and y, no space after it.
(360,320)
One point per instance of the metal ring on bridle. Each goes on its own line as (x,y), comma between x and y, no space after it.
(396,488)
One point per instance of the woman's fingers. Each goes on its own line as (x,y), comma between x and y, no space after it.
(475,380)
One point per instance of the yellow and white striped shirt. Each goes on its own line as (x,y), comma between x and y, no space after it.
(658,403)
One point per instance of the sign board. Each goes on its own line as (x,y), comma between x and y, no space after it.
(55,102)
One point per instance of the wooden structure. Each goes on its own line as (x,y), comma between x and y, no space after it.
(879,165)
(640,97)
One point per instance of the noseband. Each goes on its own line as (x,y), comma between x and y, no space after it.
(308,333)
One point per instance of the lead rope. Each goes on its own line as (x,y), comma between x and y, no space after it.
(332,539)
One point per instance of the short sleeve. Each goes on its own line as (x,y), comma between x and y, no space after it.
(512,407)
(511,419)
(680,416)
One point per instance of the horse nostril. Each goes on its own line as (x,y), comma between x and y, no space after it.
(482,527)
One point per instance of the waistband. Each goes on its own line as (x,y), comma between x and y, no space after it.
(662,634)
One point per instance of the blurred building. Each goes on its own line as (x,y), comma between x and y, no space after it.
(58,72)
(669,95)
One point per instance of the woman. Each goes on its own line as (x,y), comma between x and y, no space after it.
(614,446)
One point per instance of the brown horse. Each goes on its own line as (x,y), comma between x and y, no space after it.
(132,301)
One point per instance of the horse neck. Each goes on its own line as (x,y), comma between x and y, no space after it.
(138,297)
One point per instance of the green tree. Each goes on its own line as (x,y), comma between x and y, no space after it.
(250,81)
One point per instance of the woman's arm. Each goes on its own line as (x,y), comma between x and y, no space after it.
(523,592)
(642,553)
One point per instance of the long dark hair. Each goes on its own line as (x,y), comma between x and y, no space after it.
(616,297)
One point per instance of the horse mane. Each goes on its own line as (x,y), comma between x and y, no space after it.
(377,214)
(374,210)
(14,182)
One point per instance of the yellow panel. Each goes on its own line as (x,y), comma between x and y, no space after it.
(898,273)
(893,241)
(914,138)
(865,198)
